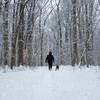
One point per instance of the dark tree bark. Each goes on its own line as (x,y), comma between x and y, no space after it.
(29,34)
(18,33)
(1,7)
(75,49)
(13,42)
(41,37)
(89,32)
(21,33)
(5,31)
(60,30)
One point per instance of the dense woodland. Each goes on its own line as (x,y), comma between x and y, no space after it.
(29,29)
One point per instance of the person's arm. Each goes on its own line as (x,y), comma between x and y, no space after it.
(46,60)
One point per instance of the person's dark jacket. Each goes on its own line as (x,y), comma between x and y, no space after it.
(49,58)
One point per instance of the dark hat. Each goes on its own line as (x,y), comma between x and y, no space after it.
(50,53)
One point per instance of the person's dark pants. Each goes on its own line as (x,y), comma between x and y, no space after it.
(50,66)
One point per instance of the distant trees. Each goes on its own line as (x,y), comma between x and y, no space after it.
(18,32)
(83,30)
(79,32)
(30,28)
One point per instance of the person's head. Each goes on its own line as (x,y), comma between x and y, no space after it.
(50,53)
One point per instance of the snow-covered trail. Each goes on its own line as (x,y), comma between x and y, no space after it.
(41,84)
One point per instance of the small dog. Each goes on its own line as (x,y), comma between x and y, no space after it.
(57,67)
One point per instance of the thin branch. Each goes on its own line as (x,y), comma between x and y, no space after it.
(25,3)
(43,5)
(48,16)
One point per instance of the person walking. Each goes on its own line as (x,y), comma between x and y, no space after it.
(50,60)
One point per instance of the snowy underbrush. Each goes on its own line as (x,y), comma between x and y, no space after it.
(61,68)
(16,68)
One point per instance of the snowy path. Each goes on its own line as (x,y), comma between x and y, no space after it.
(41,84)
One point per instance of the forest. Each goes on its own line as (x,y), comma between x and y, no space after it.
(29,29)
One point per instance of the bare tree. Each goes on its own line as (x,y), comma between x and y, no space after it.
(6,30)
(18,29)
(75,49)
(29,35)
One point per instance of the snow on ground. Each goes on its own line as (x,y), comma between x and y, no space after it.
(41,84)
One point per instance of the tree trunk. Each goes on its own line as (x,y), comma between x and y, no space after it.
(20,34)
(13,46)
(40,32)
(5,31)
(59,32)
(29,35)
(75,49)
